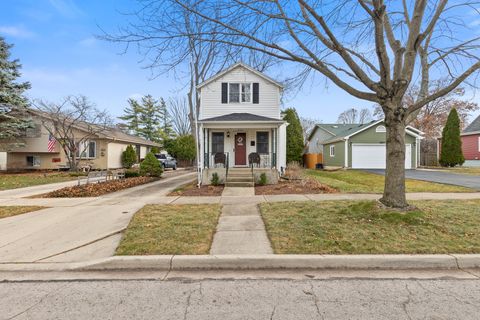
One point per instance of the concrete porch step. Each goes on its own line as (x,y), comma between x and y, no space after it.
(239,184)
(240,179)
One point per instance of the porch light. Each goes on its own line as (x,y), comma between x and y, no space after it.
(228,134)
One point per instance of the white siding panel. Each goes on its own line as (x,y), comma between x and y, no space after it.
(269,97)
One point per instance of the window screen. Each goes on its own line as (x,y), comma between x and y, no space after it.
(262,142)
(217,142)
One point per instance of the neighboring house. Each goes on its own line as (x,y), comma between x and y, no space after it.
(359,146)
(471,143)
(239,121)
(101,152)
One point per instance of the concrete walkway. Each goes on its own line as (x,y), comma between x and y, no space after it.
(240,230)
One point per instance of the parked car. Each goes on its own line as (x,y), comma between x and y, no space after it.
(167,161)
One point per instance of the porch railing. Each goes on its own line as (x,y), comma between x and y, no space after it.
(262,160)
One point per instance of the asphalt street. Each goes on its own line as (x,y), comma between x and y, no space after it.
(242,299)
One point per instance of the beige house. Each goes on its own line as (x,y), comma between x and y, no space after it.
(101,152)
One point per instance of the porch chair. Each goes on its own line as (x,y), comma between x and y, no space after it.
(219,158)
(254,158)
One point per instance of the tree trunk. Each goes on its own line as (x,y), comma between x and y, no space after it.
(394,191)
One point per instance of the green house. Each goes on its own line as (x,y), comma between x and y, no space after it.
(360,146)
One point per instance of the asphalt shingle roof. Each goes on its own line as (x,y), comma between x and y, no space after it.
(474,126)
(241,117)
(342,130)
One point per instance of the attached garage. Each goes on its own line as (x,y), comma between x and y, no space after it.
(373,156)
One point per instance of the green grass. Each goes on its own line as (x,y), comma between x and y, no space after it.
(362,227)
(13,181)
(10,211)
(355,181)
(170,229)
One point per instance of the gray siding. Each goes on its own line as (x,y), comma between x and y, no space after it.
(315,145)
(339,159)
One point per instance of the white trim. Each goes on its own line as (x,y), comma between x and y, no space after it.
(240,91)
(236,65)
(469,133)
(346,153)
(478,144)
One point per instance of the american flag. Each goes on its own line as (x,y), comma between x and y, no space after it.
(51,143)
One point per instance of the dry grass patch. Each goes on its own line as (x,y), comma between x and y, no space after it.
(355,181)
(362,227)
(21,180)
(10,211)
(170,229)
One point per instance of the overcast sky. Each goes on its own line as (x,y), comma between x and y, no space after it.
(55,41)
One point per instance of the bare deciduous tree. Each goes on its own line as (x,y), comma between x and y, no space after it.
(308,124)
(354,115)
(73,123)
(179,113)
(368,48)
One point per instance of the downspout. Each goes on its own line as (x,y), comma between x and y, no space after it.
(346,153)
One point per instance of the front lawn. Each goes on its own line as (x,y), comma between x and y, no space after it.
(20,180)
(356,181)
(362,227)
(10,211)
(465,170)
(170,229)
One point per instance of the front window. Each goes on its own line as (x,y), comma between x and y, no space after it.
(33,161)
(239,92)
(262,142)
(86,150)
(217,142)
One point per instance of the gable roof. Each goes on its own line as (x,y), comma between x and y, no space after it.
(108,133)
(237,65)
(473,128)
(241,117)
(344,131)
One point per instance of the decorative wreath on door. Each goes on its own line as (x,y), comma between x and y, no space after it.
(240,140)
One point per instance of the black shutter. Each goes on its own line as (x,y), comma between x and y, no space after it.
(224,92)
(255,92)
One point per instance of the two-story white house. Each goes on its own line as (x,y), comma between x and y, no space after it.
(240,124)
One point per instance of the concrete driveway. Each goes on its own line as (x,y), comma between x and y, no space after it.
(78,231)
(463,180)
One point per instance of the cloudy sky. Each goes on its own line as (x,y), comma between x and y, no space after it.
(56,42)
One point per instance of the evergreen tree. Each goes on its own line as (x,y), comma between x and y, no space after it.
(166,128)
(132,116)
(13,105)
(129,157)
(150,118)
(150,166)
(182,147)
(294,136)
(451,152)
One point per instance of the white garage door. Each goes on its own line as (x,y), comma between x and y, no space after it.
(373,156)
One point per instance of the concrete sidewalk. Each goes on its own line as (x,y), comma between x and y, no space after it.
(240,230)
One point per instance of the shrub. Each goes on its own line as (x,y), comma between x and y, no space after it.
(294,136)
(182,147)
(294,171)
(263,179)
(451,152)
(129,157)
(132,174)
(155,150)
(215,181)
(150,166)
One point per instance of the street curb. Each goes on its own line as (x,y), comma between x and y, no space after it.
(260,262)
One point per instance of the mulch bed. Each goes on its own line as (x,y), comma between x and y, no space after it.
(97,189)
(191,190)
(306,186)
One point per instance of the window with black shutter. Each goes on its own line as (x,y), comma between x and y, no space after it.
(217,142)
(262,142)
(224,92)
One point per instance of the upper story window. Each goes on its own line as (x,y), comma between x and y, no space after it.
(381,129)
(238,92)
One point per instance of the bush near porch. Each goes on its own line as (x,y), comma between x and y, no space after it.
(362,227)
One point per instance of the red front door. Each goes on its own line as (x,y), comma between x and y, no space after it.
(240,149)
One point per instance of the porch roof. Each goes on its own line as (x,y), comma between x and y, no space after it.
(241,117)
